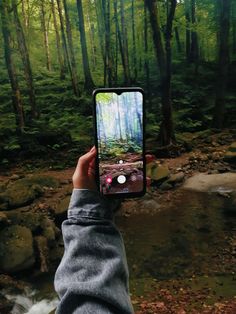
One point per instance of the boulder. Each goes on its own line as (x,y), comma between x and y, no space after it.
(157,172)
(16,249)
(38,223)
(19,195)
(24,191)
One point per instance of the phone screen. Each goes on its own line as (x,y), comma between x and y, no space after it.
(119,126)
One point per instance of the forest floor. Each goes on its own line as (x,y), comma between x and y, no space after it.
(207,156)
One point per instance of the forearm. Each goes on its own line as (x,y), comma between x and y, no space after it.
(93,274)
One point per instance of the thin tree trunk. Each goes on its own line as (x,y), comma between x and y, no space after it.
(25,60)
(188,32)
(87,74)
(58,43)
(65,48)
(101,30)
(146,62)
(179,46)
(134,43)
(223,63)
(194,50)
(71,48)
(116,47)
(124,43)
(16,95)
(92,41)
(45,35)
(107,45)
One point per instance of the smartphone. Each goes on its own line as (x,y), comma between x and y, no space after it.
(119,139)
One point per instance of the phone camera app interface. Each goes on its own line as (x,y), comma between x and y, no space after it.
(120,141)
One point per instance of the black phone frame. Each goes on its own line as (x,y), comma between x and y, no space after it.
(119,90)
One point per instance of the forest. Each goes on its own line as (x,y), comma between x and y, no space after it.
(53,53)
(180,237)
(120,140)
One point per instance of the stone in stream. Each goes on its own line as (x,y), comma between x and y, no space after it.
(16,249)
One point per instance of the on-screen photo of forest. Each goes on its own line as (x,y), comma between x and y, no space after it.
(180,237)
(120,141)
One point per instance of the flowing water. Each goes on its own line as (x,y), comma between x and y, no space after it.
(192,241)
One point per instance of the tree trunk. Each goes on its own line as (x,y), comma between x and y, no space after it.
(179,46)
(124,40)
(71,48)
(234,27)
(101,30)
(24,15)
(134,44)
(25,60)
(65,48)
(188,33)
(146,62)
(194,50)
(45,35)
(16,95)
(223,63)
(108,44)
(92,41)
(164,61)
(87,74)
(58,43)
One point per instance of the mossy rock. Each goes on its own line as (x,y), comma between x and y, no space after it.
(19,194)
(157,172)
(16,249)
(38,223)
(24,191)
(42,180)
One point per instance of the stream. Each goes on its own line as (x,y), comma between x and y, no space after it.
(191,243)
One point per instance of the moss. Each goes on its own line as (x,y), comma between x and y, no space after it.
(16,249)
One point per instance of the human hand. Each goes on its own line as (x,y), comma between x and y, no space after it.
(84,175)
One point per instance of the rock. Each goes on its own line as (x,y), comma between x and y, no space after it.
(165,186)
(3,202)
(38,223)
(176,178)
(6,305)
(60,211)
(16,249)
(18,194)
(211,182)
(149,205)
(157,172)
(64,182)
(24,191)
(230,155)
(14,177)
(3,219)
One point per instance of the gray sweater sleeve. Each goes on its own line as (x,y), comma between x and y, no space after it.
(93,274)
